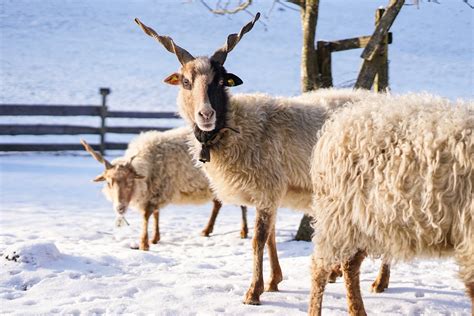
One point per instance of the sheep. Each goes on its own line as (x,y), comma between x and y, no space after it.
(393,175)
(157,170)
(255,148)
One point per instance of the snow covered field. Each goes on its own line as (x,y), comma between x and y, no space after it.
(57,228)
(50,202)
(63,51)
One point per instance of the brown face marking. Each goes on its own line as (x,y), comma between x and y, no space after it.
(195,103)
(121,185)
(203,97)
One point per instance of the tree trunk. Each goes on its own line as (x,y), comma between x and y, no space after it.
(305,231)
(309,64)
(309,79)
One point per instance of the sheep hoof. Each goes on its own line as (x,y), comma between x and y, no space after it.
(144,247)
(243,234)
(252,298)
(155,240)
(271,287)
(335,273)
(332,278)
(205,233)
(250,301)
(378,287)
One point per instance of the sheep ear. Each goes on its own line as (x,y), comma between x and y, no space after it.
(173,79)
(99,178)
(231,80)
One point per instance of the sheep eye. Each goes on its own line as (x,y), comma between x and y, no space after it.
(221,82)
(186,83)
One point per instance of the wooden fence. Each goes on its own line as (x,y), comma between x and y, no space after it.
(378,67)
(374,72)
(100,111)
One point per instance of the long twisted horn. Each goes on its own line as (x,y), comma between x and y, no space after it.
(96,155)
(183,55)
(221,54)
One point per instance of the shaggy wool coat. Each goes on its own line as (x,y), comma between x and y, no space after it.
(394,175)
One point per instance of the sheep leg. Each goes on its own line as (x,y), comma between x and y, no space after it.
(381,282)
(351,269)
(276,276)
(319,277)
(210,225)
(244,230)
(263,223)
(336,272)
(465,261)
(156,235)
(470,291)
(144,238)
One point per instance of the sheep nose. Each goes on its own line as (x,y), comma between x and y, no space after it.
(206,114)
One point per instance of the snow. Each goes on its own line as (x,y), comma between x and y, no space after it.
(60,250)
(62,229)
(63,52)
(36,253)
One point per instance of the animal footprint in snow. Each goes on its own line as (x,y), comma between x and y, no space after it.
(419,294)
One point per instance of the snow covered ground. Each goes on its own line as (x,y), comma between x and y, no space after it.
(71,260)
(57,229)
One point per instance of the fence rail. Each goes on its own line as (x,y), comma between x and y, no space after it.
(58,147)
(373,72)
(49,110)
(100,111)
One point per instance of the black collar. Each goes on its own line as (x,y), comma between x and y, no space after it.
(209,140)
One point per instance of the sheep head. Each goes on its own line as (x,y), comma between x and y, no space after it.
(120,180)
(203,81)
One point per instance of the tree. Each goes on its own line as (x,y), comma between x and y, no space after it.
(309,78)
(309,62)
(309,17)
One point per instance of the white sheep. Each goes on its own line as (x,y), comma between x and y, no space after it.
(157,170)
(256,148)
(393,175)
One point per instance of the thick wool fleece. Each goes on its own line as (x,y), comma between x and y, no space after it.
(170,175)
(267,163)
(393,175)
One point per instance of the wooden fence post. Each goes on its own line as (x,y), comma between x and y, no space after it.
(103,115)
(381,78)
(372,52)
(324,63)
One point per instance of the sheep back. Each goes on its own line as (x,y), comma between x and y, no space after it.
(267,163)
(171,176)
(393,175)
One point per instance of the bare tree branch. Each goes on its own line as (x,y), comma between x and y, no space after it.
(241,7)
(287,6)
(468,4)
(417,3)
(300,3)
(271,9)
(221,11)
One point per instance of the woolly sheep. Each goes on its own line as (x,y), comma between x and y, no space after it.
(393,175)
(256,148)
(155,171)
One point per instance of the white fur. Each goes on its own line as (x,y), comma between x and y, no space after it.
(267,163)
(393,175)
(170,175)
